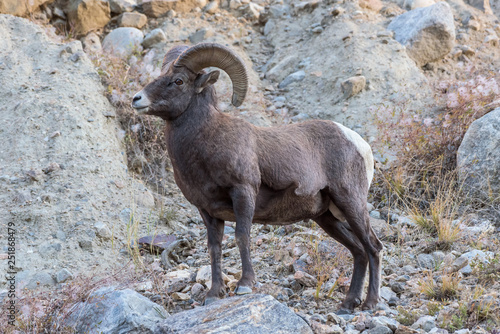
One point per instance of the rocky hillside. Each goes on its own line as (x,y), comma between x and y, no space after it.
(87,184)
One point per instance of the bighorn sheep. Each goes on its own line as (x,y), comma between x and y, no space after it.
(232,170)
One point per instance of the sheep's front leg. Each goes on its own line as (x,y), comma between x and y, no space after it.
(215,233)
(243,198)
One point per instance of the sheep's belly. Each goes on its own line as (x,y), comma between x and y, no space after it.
(278,208)
(275,207)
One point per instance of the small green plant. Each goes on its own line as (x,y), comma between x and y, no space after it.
(487,272)
(434,308)
(458,320)
(407,317)
(168,215)
(325,262)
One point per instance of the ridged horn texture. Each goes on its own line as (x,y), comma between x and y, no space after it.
(204,55)
(173,54)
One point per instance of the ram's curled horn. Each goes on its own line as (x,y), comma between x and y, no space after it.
(205,55)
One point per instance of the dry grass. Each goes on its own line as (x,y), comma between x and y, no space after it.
(423,180)
(326,264)
(447,289)
(143,135)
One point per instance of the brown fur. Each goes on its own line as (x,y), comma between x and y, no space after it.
(232,170)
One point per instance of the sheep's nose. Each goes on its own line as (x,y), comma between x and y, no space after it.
(136,98)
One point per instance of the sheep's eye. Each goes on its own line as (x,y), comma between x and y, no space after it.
(178,82)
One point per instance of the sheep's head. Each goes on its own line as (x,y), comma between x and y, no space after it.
(183,78)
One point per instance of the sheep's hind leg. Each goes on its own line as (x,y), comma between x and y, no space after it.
(243,205)
(215,233)
(354,209)
(342,232)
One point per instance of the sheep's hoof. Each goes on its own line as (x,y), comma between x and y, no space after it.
(243,290)
(210,300)
(348,305)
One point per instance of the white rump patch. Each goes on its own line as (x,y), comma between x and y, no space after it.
(363,148)
(336,212)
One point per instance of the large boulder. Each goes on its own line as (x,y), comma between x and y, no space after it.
(428,33)
(250,314)
(478,157)
(19,7)
(122,42)
(88,15)
(116,311)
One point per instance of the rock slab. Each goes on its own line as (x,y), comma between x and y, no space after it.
(116,311)
(427,33)
(478,157)
(88,15)
(20,8)
(249,314)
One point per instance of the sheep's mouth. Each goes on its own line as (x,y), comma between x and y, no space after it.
(141,110)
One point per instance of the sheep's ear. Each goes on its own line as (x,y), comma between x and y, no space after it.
(204,80)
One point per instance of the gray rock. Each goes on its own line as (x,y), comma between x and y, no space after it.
(474,255)
(269,27)
(478,255)
(305,279)
(29,280)
(426,323)
(122,42)
(384,321)
(200,35)
(85,244)
(253,11)
(398,287)
(102,230)
(438,257)
(335,319)
(126,216)
(478,157)
(120,6)
(428,33)
(197,292)
(235,4)
(116,311)
(379,330)
(282,68)
(228,230)
(212,7)
(204,275)
(63,275)
(459,263)
(294,77)
(154,37)
(426,261)
(249,314)
(300,117)
(386,293)
(353,86)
